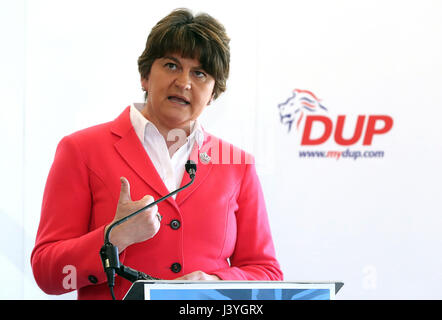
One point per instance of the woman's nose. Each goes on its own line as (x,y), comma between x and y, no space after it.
(183,81)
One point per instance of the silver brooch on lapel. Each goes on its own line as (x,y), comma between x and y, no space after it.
(204,157)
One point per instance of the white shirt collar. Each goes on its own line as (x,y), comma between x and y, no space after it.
(140,123)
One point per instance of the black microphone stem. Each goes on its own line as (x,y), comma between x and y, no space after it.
(109,253)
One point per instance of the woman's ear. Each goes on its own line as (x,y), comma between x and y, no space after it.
(145,87)
(144,84)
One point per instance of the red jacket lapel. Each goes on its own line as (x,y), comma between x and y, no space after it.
(202,168)
(132,151)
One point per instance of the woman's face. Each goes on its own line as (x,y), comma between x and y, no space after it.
(178,91)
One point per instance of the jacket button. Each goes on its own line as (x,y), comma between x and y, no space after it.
(175,267)
(175,224)
(92,279)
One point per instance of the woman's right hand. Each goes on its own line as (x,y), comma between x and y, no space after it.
(139,228)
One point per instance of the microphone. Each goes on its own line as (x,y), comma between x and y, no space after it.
(109,253)
(191,168)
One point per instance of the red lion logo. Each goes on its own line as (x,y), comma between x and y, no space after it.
(294,108)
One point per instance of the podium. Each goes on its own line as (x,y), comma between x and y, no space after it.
(232,290)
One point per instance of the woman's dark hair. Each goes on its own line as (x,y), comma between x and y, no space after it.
(198,37)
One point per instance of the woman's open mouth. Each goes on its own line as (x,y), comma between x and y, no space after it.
(177,99)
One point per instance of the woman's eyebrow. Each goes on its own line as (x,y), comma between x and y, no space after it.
(172,58)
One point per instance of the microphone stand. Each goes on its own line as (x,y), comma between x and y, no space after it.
(109,252)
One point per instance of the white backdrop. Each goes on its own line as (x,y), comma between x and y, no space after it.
(374,224)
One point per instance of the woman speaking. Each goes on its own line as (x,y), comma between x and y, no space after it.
(216,229)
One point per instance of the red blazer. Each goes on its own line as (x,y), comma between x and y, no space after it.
(222,215)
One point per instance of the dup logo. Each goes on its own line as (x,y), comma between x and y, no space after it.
(304,106)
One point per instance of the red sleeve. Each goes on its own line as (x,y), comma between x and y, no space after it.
(66,253)
(254,256)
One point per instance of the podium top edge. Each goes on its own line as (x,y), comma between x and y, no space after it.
(136,291)
(338,284)
(241,281)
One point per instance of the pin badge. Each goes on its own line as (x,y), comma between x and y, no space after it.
(204,157)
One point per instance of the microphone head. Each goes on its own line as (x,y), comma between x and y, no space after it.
(190,167)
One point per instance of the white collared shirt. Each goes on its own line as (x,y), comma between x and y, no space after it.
(170,169)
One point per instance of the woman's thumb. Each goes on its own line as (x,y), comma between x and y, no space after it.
(125,190)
